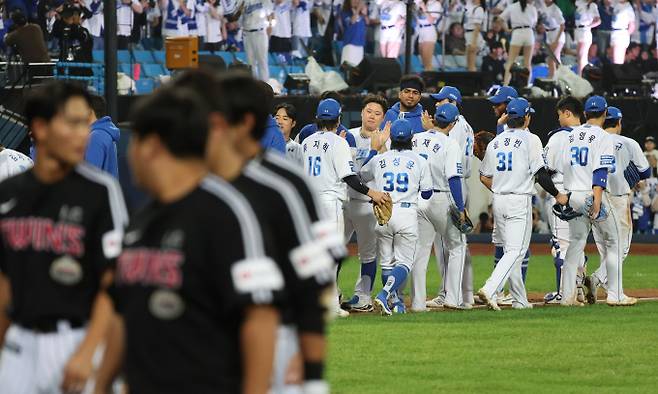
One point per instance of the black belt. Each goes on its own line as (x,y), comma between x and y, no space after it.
(618,29)
(440,191)
(388,27)
(428,26)
(582,26)
(253,30)
(551,29)
(468,31)
(520,27)
(46,326)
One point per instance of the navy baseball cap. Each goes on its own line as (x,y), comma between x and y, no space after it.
(503,95)
(448,92)
(613,113)
(328,109)
(596,104)
(518,108)
(446,113)
(401,130)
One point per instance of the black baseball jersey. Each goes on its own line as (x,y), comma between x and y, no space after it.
(57,240)
(307,266)
(186,274)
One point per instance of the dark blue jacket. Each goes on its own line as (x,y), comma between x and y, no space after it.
(273,138)
(414,117)
(312,128)
(102,146)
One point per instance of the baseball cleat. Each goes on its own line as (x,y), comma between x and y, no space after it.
(436,303)
(518,305)
(592,284)
(505,301)
(356,304)
(341,312)
(461,307)
(490,302)
(399,308)
(381,304)
(553,298)
(626,301)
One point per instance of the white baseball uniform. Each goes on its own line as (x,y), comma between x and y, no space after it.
(13,163)
(404,175)
(294,152)
(443,155)
(358,214)
(512,159)
(254,24)
(586,149)
(619,192)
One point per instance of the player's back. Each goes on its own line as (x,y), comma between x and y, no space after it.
(626,151)
(443,156)
(512,159)
(12,163)
(586,149)
(553,154)
(402,174)
(327,160)
(462,132)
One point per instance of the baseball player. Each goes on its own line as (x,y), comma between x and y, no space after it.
(444,158)
(512,162)
(13,162)
(631,159)
(405,175)
(329,166)
(358,212)
(312,128)
(586,158)
(256,18)
(569,111)
(499,102)
(286,118)
(462,132)
(61,224)
(409,106)
(205,289)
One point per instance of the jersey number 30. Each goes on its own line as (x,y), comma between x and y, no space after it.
(402,180)
(504,161)
(314,165)
(579,155)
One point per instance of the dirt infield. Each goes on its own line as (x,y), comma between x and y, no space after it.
(480,249)
(637,293)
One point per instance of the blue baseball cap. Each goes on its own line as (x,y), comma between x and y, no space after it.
(328,109)
(503,95)
(518,108)
(613,113)
(446,113)
(401,130)
(596,104)
(448,92)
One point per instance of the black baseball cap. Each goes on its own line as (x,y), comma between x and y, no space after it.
(650,138)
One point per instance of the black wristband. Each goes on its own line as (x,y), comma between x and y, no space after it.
(355,183)
(545,181)
(313,370)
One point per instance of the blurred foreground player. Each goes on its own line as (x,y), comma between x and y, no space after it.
(61,227)
(193,287)
(286,208)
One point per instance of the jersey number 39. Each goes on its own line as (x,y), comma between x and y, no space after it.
(402,181)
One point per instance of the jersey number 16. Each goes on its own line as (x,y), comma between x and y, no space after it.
(314,165)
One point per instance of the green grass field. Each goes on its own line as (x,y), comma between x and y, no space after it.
(550,349)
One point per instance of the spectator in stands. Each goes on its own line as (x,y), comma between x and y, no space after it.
(538,225)
(641,206)
(603,31)
(455,42)
(125,19)
(553,22)
(497,33)
(75,42)
(103,138)
(651,153)
(215,27)
(392,14)
(301,27)
(493,65)
(428,15)
(200,19)
(623,24)
(177,14)
(587,18)
(522,17)
(26,39)
(281,38)
(353,21)
(409,106)
(95,23)
(473,21)
(632,53)
(593,57)
(153,39)
(648,61)
(647,15)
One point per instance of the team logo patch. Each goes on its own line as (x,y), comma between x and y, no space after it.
(256,275)
(310,259)
(66,271)
(112,244)
(166,304)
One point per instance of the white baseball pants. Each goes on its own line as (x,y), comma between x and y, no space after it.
(359,218)
(621,206)
(397,240)
(256,45)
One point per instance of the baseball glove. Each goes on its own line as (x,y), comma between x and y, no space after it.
(464,226)
(565,212)
(482,139)
(632,175)
(383,211)
(603,212)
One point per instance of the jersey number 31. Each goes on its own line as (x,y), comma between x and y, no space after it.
(504,161)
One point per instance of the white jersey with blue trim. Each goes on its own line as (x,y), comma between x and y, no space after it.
(361,153)
(626,151)
(255,14)
(443,156)
(402,174)
(553,154)
(512,160)
(586,149)
(294,152)
(327,161)
(463,134)
(13,163)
